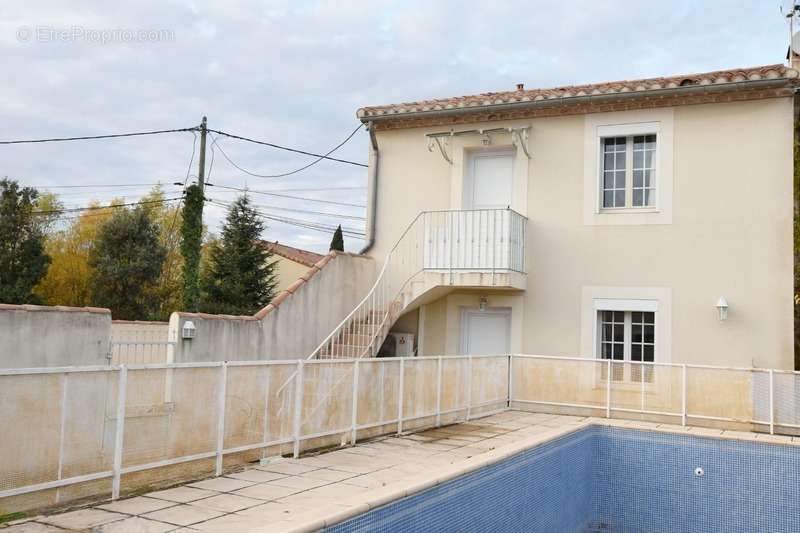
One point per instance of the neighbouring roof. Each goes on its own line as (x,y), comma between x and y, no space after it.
(571,93)
(304,257)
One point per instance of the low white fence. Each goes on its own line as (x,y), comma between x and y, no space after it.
(91,431)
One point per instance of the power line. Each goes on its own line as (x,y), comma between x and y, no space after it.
(307,224)
(248,191)
(92,195)
(279,147)
(140,185)
(188,170)
(94,137)
(305,211)
(317,189)
(97,207)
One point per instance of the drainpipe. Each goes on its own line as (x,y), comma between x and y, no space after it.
(372,188)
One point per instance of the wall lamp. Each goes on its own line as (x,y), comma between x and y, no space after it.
(188,331)
(722,308)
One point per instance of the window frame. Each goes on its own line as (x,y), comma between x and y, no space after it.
(627,307)
(628,131)
(629,170)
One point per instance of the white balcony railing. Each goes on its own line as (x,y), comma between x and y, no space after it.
(484,241)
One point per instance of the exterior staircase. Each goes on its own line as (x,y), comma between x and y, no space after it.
(479,248)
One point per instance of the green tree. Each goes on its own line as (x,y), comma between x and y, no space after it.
(240,276)
(127,259)
(50,207)
(191,240)
(337,242)
(68,277)
(23,260)
(167,293)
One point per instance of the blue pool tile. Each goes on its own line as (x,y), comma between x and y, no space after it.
(607,479)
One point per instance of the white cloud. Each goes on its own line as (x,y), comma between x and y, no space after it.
(294,73)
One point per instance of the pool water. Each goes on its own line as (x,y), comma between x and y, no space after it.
(609,479)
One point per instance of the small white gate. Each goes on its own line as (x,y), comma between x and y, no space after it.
(140,343)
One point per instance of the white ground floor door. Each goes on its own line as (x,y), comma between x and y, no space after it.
(486,332)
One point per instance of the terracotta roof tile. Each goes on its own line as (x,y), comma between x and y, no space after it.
(766,72)
(304,257)
(53,308)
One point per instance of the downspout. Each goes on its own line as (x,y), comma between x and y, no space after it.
(372,188)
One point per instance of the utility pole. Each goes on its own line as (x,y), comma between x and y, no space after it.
(192,229)
(201,172)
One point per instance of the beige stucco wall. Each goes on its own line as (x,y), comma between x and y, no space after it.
(40,336)
(287,271)
(730,233)
(290,331)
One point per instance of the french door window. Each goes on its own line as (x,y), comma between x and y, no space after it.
(628,172)
(627,336)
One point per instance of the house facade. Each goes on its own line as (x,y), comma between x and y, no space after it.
(291,263)
(644,220)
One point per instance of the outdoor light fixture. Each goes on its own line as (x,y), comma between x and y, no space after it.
(722,308)
(484,303)
(188,330)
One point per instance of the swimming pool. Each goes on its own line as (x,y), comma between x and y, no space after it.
(609,479)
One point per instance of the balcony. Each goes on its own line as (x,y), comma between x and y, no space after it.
(479,247)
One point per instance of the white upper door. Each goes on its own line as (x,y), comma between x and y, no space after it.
(485,332)
(490,180)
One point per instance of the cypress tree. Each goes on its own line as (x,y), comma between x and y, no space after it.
(337,242)
(191,239)
(240,275)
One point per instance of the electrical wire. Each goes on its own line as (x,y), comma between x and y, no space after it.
(279,147)
(278,195)
(138,185)
(96,195)
(94,137)
(307,224)
(96,207)
(319,189)
(304,211)
(188,170)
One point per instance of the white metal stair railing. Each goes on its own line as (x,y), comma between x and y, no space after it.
(485,240)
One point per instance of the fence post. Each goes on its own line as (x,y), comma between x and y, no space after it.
(400,399)
(642,369)
(268,380)
(608,388)
(469,387)
(683,395)
(221,391)
(61,429)
(381,414)
(298,406)
(510,387)
(439,392)
(771,402)
(120,431)
(355,404)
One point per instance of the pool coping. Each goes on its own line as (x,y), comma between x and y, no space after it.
(362,503)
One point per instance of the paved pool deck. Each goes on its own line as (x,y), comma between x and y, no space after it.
(308,493)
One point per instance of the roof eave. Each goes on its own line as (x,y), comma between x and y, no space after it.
(584,99)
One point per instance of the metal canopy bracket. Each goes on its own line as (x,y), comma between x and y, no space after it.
(520,138)
(443,143)
(442,140)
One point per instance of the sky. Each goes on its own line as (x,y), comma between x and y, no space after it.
(295,72)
